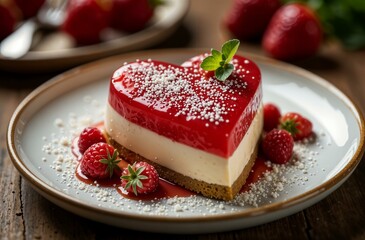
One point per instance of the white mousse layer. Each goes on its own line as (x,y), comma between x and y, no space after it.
(181,158)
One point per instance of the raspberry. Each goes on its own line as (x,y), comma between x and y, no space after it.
(88,137)
(99,161)
(140,178)
(278,146)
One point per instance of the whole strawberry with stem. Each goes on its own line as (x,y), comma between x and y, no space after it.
(278,145)
(248,19)
(86,19)
(294,32)
(297,125)
(99,161)
(140,178)
(271,116)
(88,137)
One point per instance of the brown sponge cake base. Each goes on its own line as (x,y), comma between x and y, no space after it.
(206,189)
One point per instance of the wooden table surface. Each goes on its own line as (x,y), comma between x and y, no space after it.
(25,214)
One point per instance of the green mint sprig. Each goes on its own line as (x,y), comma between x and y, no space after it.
(220,61)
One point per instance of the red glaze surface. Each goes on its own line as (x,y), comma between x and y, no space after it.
(165,189)
(192,107)
(75,149)
(256,173)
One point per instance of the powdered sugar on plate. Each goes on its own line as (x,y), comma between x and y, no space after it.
(276,185)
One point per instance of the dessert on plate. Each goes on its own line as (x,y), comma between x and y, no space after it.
(198,131)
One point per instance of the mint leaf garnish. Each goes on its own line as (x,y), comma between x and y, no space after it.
(222,73)
(230,48)
(220,61)
(210,63)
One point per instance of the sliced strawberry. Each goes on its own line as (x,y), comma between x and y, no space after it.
(294,32)
(271,116)
(140,178)
(297,125)
(99,161)
(248,19)
(278,146)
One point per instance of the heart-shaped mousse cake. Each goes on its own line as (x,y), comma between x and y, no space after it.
(198,132)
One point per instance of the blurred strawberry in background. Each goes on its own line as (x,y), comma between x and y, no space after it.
(248,19)
(86,19)
(14,11)
(29,8)
(342,20)
(7,21)
(294,32)
(132,15)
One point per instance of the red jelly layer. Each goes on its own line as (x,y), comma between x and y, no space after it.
(188,104)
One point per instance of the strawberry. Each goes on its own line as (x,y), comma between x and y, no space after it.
(88,137)
(278,146)
(99,161)
(294,32)
(29,8)
(248,19)
(297,125)
(86,19)
(140,178)
(131,15)
(271,116)
(7,21)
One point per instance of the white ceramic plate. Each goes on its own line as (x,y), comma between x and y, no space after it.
(54,51)
(46,121)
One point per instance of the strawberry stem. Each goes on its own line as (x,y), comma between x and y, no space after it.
(134,178)
(290,126)
(111,162)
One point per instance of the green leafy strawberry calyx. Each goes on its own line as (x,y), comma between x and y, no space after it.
(220,61)
(290,126)
(111,162)
(134,178)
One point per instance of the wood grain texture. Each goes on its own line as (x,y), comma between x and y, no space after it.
(25,214)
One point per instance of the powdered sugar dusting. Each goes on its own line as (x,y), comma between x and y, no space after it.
(172,87)
(282,178)
(276,185)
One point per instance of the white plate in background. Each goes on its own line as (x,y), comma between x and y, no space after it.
(54,52)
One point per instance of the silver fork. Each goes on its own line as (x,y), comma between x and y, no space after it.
(50,16)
